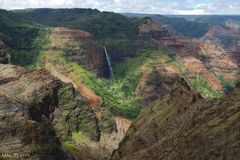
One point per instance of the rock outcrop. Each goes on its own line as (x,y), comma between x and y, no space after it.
(183,126)
(28,99)
(37,110)
(74,114)
(152,29)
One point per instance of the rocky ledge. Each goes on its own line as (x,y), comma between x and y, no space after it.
(35,113)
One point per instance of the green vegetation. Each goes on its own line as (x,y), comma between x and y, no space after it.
(130,65)
(80,136)
(107,122)
(30,58)
(117,32)
(228,85)
(184,27)
(201,85)
(118,92)
(101,24)
(20,33)
(65,94)
(69,146)
(27,39)
(120,48)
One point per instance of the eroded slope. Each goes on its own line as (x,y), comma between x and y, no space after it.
(184,126)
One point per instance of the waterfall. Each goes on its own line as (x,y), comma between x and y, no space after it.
(108,61)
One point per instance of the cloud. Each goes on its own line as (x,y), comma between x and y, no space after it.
(198,9)
(134,6)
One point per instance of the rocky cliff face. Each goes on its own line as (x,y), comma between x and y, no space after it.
(74,114)
(184,126)
(152,29)
(4,55)
(36,110)
(28,99)
(227,38)
(80,47)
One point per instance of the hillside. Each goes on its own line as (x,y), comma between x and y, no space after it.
(184,126)
(178,24)
(100,24)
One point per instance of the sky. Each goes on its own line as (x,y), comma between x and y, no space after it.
(183,7)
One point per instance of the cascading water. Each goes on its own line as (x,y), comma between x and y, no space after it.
(108,61)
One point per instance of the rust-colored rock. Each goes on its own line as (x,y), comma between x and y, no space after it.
(80,47)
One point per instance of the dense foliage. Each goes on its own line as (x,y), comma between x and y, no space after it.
(20,33)
(101,24)
(118,92)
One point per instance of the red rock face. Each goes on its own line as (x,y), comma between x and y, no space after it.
(80,47)
(197,68)
(198,57)
(227,38)
(151,26)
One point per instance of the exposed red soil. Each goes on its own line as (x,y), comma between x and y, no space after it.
(197,68)
(123,123)
(151,25)
(60,73)
(88,94)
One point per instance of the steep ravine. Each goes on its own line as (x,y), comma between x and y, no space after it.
(69,43)
(108,141)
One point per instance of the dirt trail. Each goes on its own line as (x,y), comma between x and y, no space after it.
(81,88)
(89,94)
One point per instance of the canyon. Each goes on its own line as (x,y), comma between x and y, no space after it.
(88,88)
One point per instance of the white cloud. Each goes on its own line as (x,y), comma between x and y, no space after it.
(190,12)
(198,9)
(139,6)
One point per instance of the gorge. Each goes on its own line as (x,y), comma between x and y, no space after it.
(81,84)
